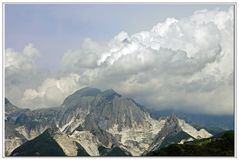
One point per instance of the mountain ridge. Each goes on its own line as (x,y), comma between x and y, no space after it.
(91,118)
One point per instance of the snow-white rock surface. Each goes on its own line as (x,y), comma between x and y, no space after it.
(28,134)
(11,144)
(202,133)
(137,140)
(88,141)
(67,144)
(186,140)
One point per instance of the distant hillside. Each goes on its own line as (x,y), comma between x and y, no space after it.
(213,123)
(220,145)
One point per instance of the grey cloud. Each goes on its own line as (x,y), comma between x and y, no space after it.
(180,63)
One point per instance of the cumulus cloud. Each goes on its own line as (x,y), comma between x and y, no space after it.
(84,58)
(21,72)
(21,61)
(51,92)
(182,63)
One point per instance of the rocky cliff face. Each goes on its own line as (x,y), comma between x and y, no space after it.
(95,120)
(22,125)
(105,109)
(9,107)
(170,128)
(176,131)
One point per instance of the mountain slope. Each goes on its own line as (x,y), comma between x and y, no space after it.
(91,121)
(171,128)
(175,131)
(23,124)
(51,142)
(108,116)
(222,145)
(13,138)
(105,109)
(9,107)
(213,123)
(43,145)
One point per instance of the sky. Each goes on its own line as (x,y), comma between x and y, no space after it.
(165,56)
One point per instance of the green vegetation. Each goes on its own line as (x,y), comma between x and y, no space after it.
(43,145)
(222,145)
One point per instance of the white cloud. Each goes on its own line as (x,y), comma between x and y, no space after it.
(21,72)
(84,58)
(180,63)
(51,92)
(21,61)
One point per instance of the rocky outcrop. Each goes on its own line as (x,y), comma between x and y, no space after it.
(170,128)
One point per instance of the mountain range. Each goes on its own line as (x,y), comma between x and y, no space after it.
(91,122)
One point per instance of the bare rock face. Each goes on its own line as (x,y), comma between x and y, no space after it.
(106,109)
(89,108)
(97,121)
(22,125)
(98,111)
(9,107)
(78,105)
(116,110)
(170,128)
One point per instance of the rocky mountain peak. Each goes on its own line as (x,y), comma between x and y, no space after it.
(9,107)
(87,91)
(110,93)
(98,118)
(172,118)
(171,128)
(172,123)
(6,101)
